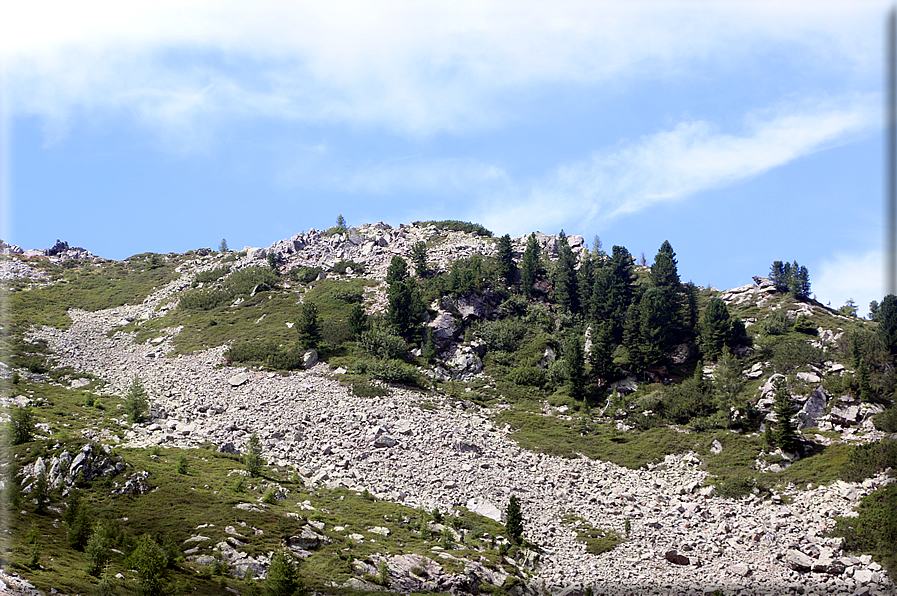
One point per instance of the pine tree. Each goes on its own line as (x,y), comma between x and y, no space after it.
(308,328)
(419,257)
(574,358)
(601,353)
(222,248)
(530,266)
(252,459)
(613,291)
(727,383)
(715,328)
(149,560)
(785,432)
(341,221)
(886,316)
(282,577)
(778,275)
(406,307)
(664,273)
(656,326)
(358,320)
(136,402)
(565,291)
(505,260)
(514,521)
(397,271)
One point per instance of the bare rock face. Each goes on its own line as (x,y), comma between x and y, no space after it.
(798,560)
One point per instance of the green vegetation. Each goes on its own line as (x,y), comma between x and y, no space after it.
(598,541)
(136,401)
(875,529)
(457,226)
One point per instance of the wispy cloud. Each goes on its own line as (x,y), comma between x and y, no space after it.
(409,67)
(674,164)
(856,276)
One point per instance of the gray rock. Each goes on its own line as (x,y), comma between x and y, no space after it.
(798,560)
(238,379)
(309,358)
(716,447)
(483,507)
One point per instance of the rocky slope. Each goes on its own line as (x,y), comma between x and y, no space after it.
(684,539)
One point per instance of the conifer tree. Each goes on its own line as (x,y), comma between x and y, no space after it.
(136,402)
(601,353)
(358,320)
(308,327)
(655,326)
(574,358)
(514,521)
(530,265)
(664,274)
(252,459)
(419,256)
(715,328)
(565,290)
(886,315)
(785,432)
(397,271)
(505,260)
(282,579)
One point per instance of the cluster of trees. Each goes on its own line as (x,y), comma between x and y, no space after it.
(791,278)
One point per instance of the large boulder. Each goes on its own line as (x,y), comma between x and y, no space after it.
(813,409)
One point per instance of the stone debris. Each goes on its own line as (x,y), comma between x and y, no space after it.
(681,535)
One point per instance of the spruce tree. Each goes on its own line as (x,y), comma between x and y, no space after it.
(715,328)
(397,271)
(779,274)
(785,432)
(419,257)
(514,521)
(505,260)
(566,292)
(308,327)
(358,320)
(656,326)
(252,458)
(886,315)
(136,402)
(601,353)
(574,358)
(664,273)
(530,265)
(282,578)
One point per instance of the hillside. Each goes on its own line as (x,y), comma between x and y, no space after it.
(404,383)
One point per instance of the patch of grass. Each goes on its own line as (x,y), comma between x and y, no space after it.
(565,438)
(597,540)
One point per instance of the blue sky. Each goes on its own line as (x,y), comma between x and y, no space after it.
(742,132)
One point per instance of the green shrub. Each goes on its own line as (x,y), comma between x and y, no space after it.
(211,275)
(390,371)
(305,275)
(347,295)
(875,528)
(457,226)
(362,389)
(736,487)
(282,577)
(20,428)
(182,464)
(887,420)
(268,497)
(240,283)
(502,335)
(791,356)
(340,267)
(803,324)
(869,458)
(382,344)
(777,323)
(527,375)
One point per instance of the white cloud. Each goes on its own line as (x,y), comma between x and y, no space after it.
(857,276)
(416,68)
(674,164)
